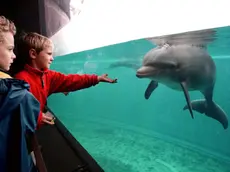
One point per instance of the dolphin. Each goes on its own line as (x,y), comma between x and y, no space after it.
(184,68)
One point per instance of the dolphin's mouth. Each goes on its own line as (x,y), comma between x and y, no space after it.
(140,75)
(145,71)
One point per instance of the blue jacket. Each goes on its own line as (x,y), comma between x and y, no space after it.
(16,102)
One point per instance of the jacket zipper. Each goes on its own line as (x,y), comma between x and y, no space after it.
(42,81)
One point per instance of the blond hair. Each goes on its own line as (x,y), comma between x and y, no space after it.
(6,26)
(28,41)
(33,40)
(24,44)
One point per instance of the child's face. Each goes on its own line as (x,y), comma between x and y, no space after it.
(6,50)
(44,59)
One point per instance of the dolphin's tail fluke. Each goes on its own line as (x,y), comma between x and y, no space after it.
(210,109)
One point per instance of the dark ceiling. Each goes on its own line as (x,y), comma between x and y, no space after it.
(43,16)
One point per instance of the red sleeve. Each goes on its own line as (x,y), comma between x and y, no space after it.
(60,82)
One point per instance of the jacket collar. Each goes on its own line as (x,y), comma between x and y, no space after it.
(34,70)
(4,74)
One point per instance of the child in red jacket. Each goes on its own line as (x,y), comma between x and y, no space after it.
(35,55)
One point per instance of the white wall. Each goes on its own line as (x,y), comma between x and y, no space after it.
(106,22)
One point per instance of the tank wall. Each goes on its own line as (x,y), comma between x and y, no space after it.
(123,104)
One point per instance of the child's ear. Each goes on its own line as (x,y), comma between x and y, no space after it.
(32,53)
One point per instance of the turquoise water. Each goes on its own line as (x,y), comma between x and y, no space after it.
(126,133)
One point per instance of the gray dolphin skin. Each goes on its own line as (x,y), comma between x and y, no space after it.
(184,68)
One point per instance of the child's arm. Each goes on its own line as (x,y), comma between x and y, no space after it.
(60,82)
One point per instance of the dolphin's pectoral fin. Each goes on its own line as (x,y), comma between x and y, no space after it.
(211,110)
(151,87)
(186,94)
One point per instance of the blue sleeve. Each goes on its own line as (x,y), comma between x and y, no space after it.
(30,108)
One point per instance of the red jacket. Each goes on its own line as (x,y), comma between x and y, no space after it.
(44,83)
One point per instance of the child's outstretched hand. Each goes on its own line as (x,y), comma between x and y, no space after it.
(104,78)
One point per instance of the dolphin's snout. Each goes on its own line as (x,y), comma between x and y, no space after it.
(139,73)
(144,72)
(138,76)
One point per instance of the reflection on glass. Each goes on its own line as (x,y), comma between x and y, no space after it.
(125,132)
